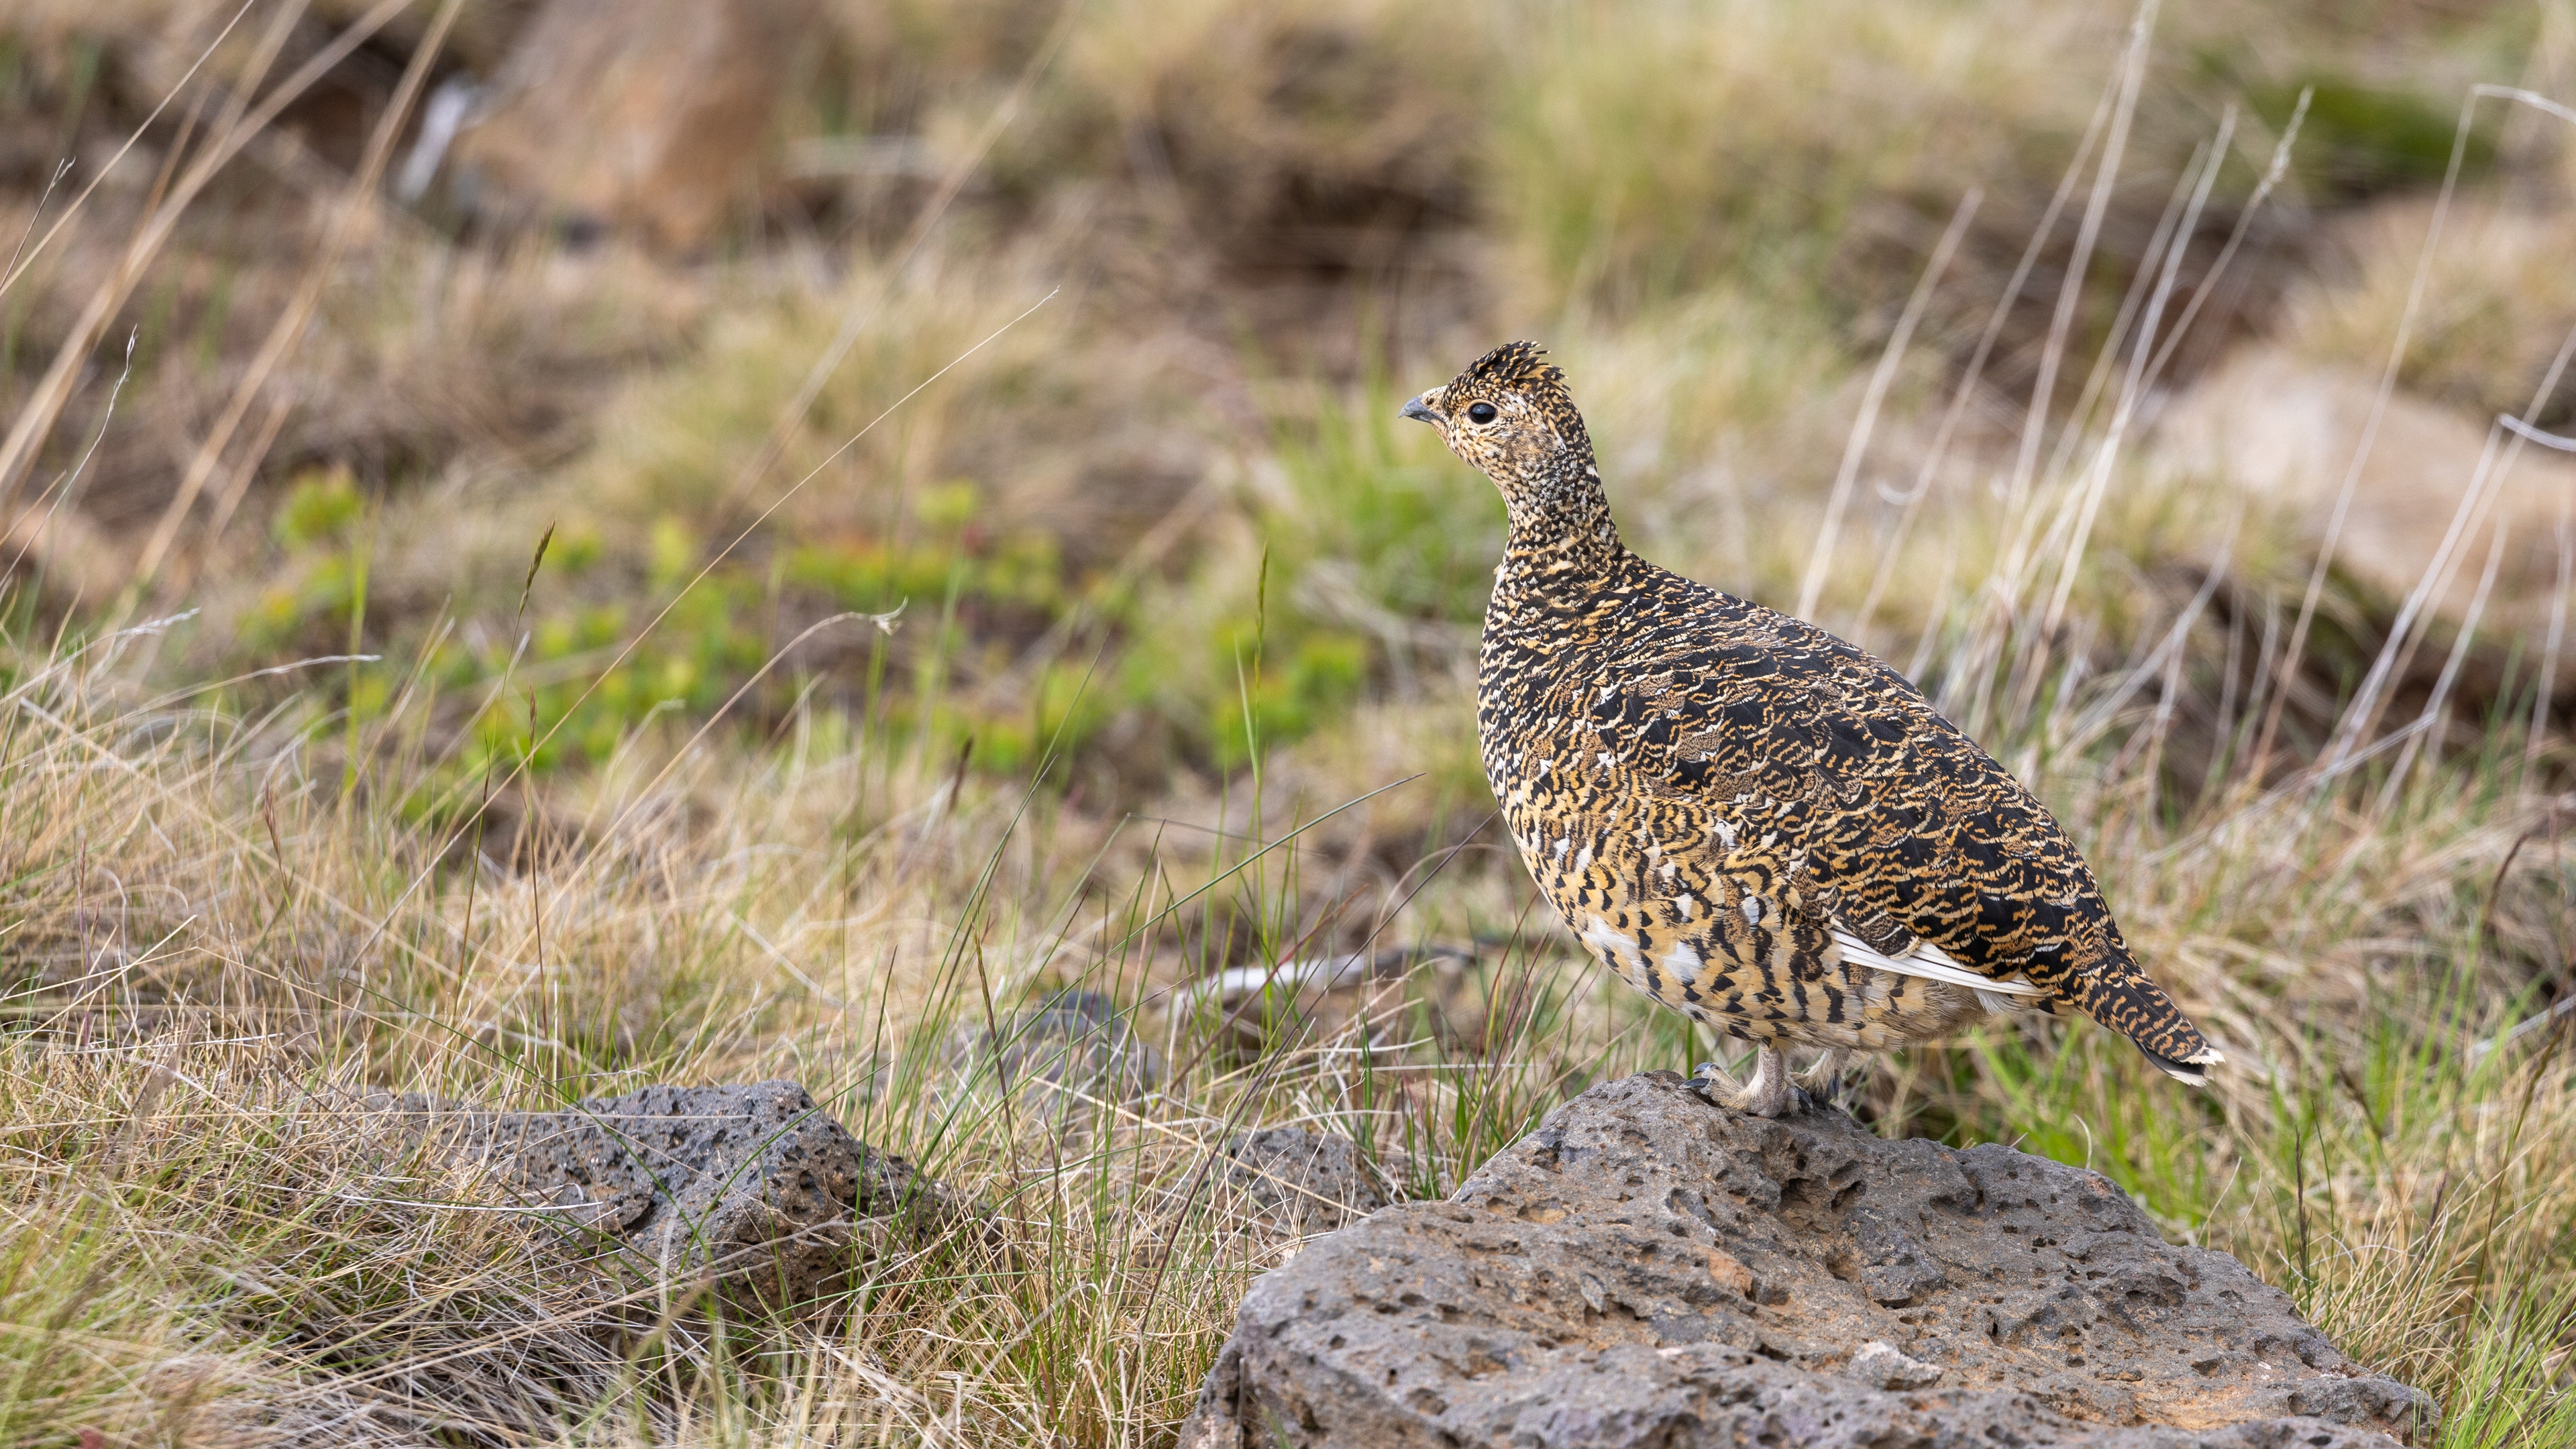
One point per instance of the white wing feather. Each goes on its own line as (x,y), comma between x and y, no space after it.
(1929,962)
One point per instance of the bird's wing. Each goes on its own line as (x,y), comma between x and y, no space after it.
(1929,962)
(1931,856)
(1907,833)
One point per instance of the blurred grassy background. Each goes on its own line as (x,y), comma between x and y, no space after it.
(561,544)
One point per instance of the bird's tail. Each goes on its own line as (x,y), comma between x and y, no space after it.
(2191,1071)
(2124,1000)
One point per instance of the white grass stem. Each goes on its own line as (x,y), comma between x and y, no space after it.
(1856,446)
(2294,651)
(357,199)
(2070,292)
(36,417)
(23,257)
(2133,388)
(2556,638)
(2431,718)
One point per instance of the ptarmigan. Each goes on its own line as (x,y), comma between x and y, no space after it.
(1748,819)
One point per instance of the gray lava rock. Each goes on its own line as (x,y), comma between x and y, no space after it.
(1887,1366)
(749,1188)
(1307,1182)
(1646,1269)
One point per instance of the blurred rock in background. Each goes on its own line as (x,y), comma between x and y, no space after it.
(2286,432)
(646,115)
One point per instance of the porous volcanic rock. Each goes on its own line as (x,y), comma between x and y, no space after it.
(1646,1269)
(750,1187)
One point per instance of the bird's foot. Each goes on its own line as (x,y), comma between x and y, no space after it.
(1769,1094)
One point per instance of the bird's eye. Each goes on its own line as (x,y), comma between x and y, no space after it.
(1482,412)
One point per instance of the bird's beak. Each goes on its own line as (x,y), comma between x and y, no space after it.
(1421,412)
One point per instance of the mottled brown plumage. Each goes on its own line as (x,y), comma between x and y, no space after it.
(1746,818)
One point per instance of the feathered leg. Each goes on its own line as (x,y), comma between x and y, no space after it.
(1825,1079)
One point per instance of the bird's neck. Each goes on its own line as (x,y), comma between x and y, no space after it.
(1562,547)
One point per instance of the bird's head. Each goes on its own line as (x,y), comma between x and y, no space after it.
(1509,416)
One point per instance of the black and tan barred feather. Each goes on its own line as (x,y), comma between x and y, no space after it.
(1708,791)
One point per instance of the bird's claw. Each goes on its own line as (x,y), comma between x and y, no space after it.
(1839,1090)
